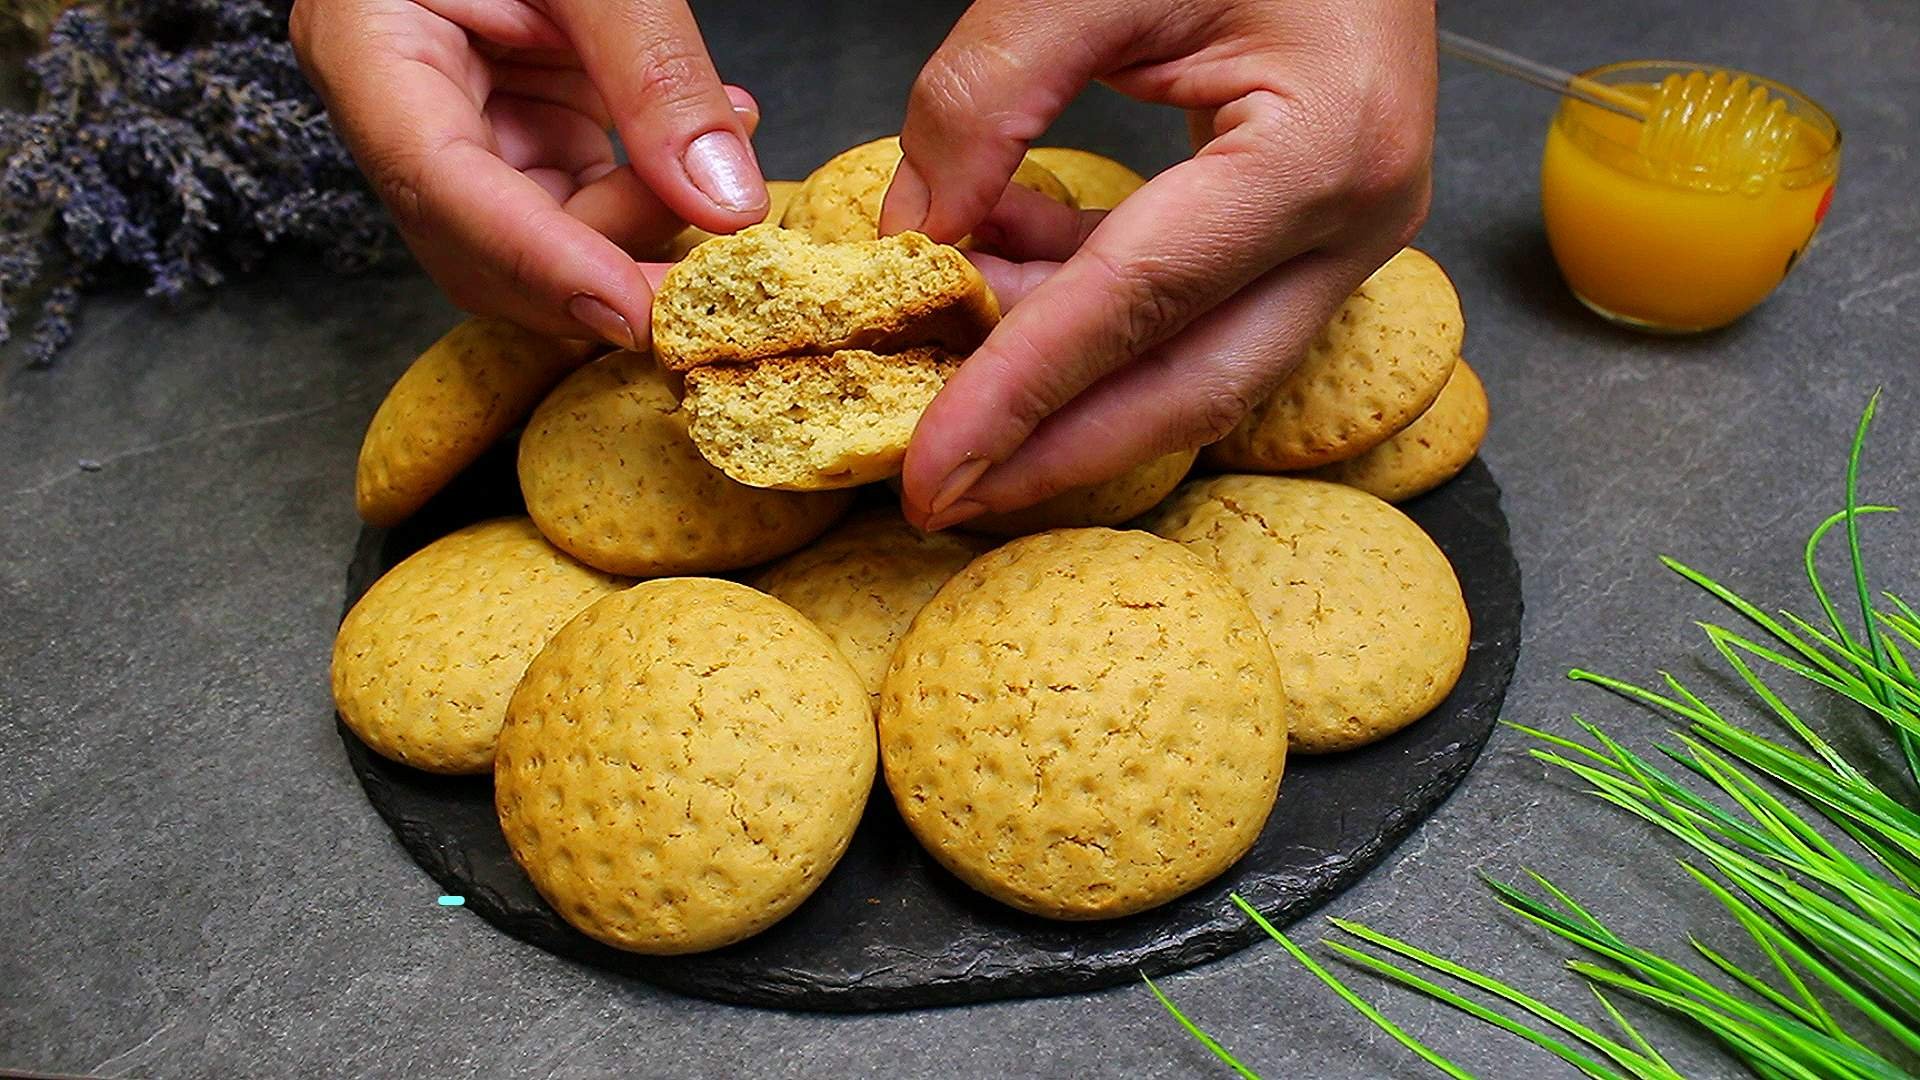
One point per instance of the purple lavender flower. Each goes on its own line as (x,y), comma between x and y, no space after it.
(177,141)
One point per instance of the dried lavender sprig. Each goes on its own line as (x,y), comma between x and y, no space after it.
(177,141)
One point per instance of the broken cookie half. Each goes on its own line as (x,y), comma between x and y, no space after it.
(808,364)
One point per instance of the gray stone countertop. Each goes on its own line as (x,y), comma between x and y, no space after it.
(191,883)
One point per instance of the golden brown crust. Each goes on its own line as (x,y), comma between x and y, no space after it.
(864,582)
(1363,609)
(466,391)
(1431,451)
(612,478)
(767,292)
(1373,370)
(424,663)
(683,764)
(1084,724)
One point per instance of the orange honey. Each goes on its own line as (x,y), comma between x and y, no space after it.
(1669,245)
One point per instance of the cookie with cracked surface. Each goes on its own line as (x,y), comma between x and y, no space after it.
(769,292)
(425,661)
(1363,609)
(683,765)
(1430,452)
(1109,502)
(612,478)
(1085,724)
(841,199)
(864,582)
(1370,372)
(458,398)
(779,194)
(1096,182)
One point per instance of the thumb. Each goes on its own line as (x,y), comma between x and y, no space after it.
(1001,77)
(684,138)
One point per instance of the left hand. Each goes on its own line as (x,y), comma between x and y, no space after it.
(1155,327)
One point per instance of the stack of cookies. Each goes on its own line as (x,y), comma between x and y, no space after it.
(685,666)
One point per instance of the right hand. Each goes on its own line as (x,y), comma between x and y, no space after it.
(483,125)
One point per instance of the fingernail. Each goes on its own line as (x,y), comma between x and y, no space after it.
(957,483)
(907,200)
(749,118)
(719,165)
(608,323)
(962,510)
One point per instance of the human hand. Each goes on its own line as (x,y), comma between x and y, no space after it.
(1154,328)
(483,127)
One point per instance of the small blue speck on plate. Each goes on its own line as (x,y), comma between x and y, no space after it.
(452,901)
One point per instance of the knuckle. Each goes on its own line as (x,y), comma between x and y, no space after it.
(398,180)
(668,73)
(1149,298)
(1040,387)
(944,91)
(1216,415)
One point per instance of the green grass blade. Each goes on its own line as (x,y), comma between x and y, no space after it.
(1200,1036)
(1859,563)
(1819,533)
(1622,1055)
(1586,1064)
(1422,1050)
(1631,1032)
(1757,1036)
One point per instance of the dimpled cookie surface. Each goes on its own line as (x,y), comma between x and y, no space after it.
(1431,451)
(863,583)
(1375,367)
(1084,724)
(1364,611)
(1109,502)
(425,661)
(460,396)
(841,199)
(683,765)
(611,476)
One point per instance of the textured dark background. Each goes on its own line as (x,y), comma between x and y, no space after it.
(192,884)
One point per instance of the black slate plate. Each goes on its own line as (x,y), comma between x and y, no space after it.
(889,928)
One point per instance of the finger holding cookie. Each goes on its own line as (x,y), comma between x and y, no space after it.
(1190,300)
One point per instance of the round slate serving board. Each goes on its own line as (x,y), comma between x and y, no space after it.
(889,928)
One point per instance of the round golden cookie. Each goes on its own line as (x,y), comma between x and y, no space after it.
(1431,451)
(683,764)
(841,199)
(1110,502)
(1364,611)
(1372,371)
(612,478)
(1096,182)
(864,582)
(458,398)
(779,194)
(426,659)
(1085,724)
